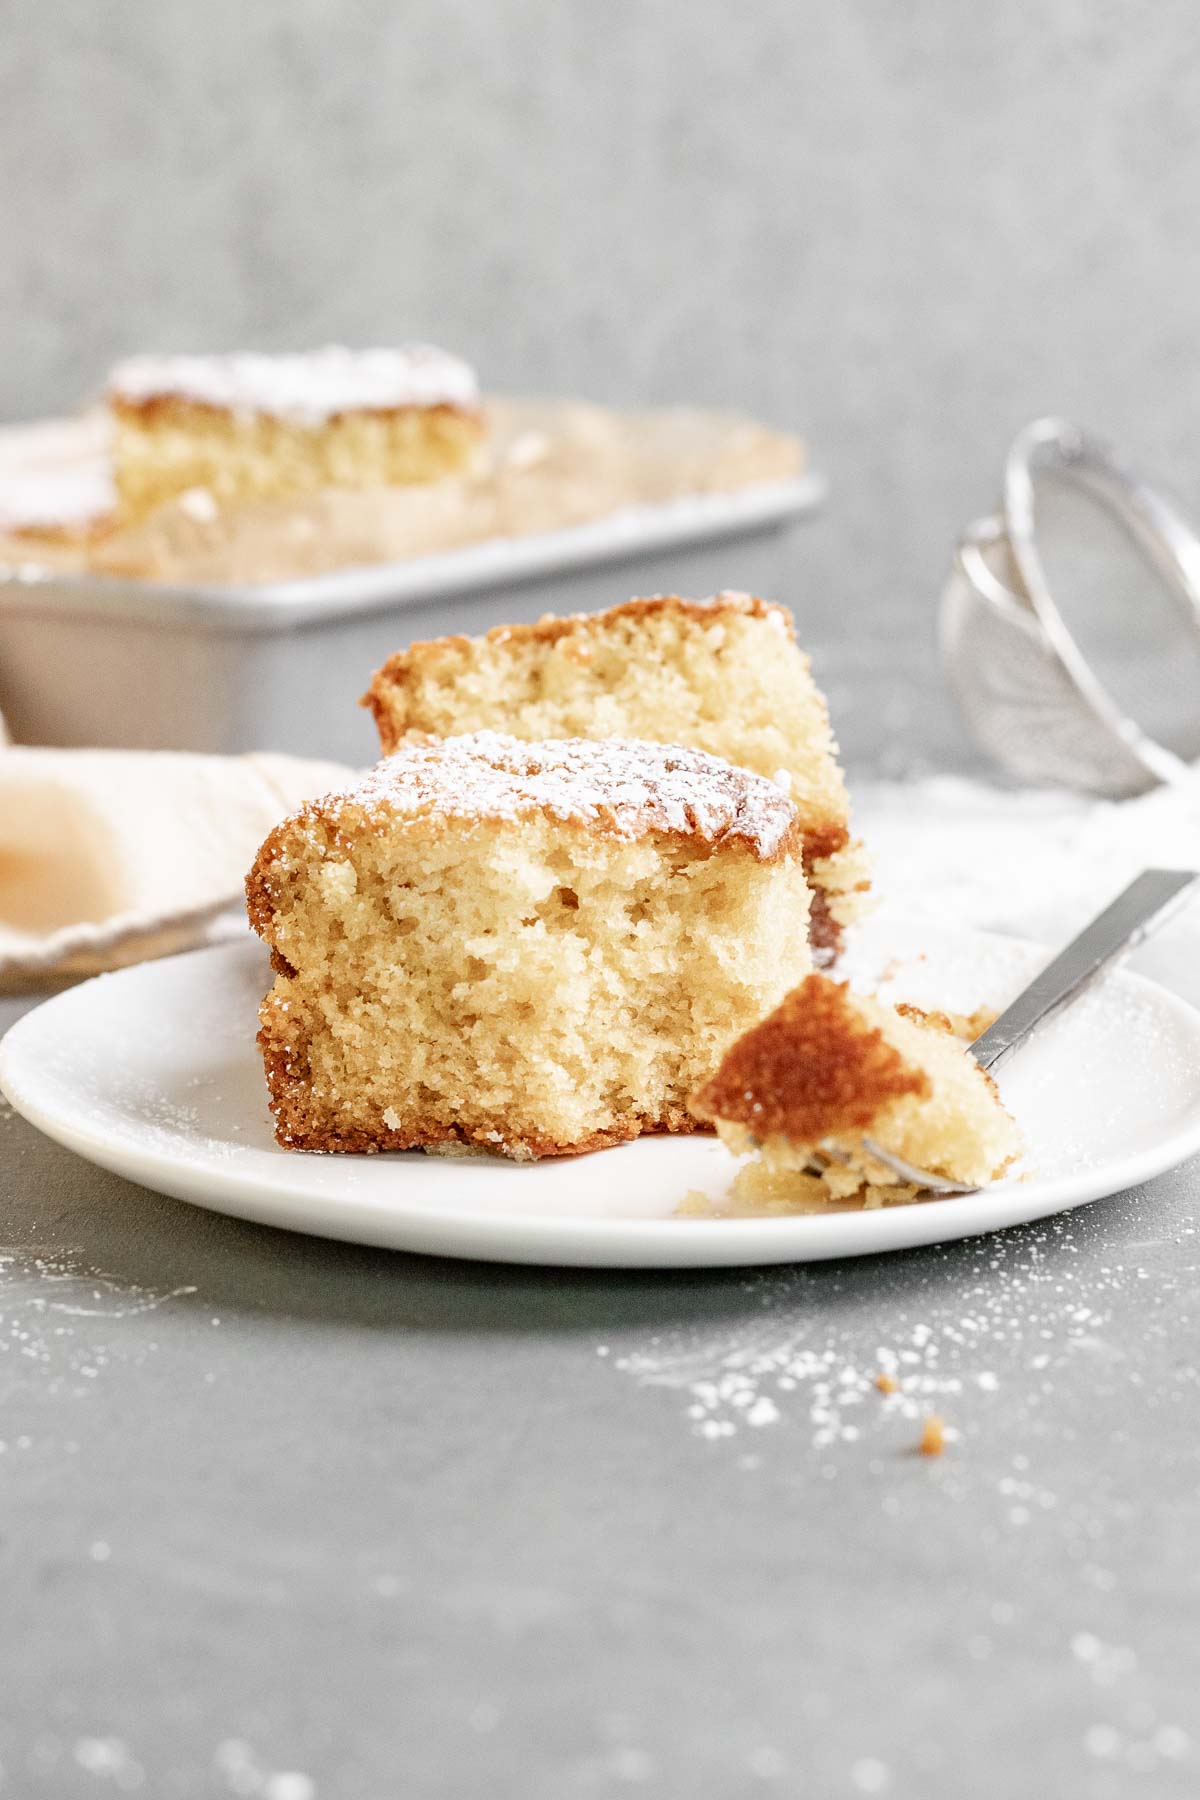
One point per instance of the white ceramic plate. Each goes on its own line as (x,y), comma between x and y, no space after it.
(153,1073)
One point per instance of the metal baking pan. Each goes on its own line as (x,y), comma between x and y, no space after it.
(88,659)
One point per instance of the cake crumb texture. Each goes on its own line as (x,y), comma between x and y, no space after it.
(521,949)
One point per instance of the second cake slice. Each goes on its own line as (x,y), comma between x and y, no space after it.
(725,675)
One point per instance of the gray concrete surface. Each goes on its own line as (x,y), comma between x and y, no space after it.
(902,231)
(292,1519)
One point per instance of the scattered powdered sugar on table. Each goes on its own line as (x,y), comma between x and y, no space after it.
(993,1349)
(788,1372)
(795,1366)
(110,1761)
(44,1298)
(242,1772)
(236,1767)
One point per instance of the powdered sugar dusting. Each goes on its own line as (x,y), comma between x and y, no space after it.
(1039,863)
(1031,1346)
(114,1767)
(1019,1317)
(39,499)
(57,1314)
(241,1771)
(306,388)
(629,789)
(111,1762)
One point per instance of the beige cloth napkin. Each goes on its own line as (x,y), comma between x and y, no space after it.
(111,856)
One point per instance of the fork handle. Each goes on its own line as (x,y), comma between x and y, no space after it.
(1144,905)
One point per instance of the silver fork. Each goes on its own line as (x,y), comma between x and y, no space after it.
(1134,915)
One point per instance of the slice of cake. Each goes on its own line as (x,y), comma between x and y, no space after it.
(725,675)
(828,1067)
(529,949)
(261,427)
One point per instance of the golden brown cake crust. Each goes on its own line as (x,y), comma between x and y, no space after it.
(398,670)
(172,408)
(812,1069)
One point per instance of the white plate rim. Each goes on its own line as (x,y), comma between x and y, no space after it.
(266,1198)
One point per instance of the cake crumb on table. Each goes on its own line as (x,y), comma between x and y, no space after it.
(933,1436)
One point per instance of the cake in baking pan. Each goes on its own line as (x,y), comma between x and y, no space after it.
(253,427)
(828,1067)
(530,466)
(725,675)
(528,949)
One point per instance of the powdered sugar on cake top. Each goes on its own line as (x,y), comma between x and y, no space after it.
(43,499)
(306,388)
(55,474)
(628,789)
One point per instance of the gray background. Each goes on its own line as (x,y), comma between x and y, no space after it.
(903,231)
(397,1526)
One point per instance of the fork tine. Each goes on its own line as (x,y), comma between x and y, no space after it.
(1136,912)
(922,1178)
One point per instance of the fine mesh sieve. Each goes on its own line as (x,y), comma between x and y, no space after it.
(1071,622)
